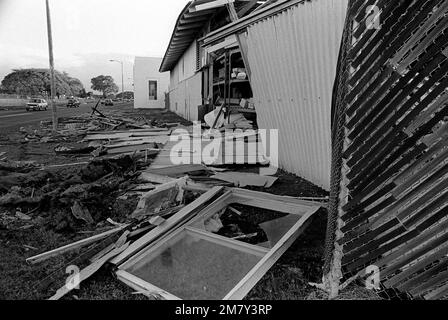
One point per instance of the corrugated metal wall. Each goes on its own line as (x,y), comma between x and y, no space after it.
(293,58)
(393,174)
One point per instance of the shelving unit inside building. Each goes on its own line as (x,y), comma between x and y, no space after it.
(229,83)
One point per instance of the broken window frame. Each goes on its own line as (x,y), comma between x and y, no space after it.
(281,204)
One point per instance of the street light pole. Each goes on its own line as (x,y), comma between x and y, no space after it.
(122,77)
(52,84)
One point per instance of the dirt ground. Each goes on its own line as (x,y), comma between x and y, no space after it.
(48,224)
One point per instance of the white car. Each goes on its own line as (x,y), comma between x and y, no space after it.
(36,105)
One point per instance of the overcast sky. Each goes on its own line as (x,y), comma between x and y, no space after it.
(86,34)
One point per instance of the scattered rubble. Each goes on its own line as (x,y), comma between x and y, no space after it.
(117,182)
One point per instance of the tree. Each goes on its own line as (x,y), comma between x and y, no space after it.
(104,84)
(126,95)
(82,93)
(37,82)
(75,84)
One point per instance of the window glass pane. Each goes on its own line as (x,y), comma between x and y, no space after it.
(262,229)
(152,90)
(277,228)
(192,267)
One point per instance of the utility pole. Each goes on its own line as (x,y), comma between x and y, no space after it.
(52,84)
(122,77)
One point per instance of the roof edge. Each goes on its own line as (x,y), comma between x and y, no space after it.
(186,8)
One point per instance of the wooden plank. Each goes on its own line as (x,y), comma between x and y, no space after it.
(217,205)
(243,179)
(143,147)
(102,253)
(73,246)
(89,271)
(155,178)
(227,242)
(257,272)
(269,201)
(164,157)
(143,140)
(124,135)
(155,139)
(232,12)
(144,287)
(129,130)
(250,4)
(177,171)
(172,222)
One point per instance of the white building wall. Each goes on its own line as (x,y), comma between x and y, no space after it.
(293,57)
(145,70)
(185,86)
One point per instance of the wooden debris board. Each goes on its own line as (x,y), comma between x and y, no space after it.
(236,152)
(130,130)
(124,135)
(243,179)
(143,147)
(136,141)
(177,171)
(89,271)
(73,246)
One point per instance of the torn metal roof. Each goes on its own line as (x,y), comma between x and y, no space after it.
(192,21)
(267,9)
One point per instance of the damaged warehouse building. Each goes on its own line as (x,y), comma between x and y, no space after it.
(357,90)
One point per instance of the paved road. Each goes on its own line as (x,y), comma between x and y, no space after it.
(12,119)
(20,117)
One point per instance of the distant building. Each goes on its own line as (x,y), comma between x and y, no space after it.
(150,86)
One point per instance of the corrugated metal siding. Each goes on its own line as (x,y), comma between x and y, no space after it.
(293,58)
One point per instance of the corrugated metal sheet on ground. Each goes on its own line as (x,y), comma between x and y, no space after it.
(394,103)
(293,57)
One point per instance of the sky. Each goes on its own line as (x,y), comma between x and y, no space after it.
(86,35)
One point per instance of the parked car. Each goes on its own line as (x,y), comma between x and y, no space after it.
(36,105)
(108,102)
(73,103)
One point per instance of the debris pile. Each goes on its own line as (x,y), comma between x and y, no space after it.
(127,191)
